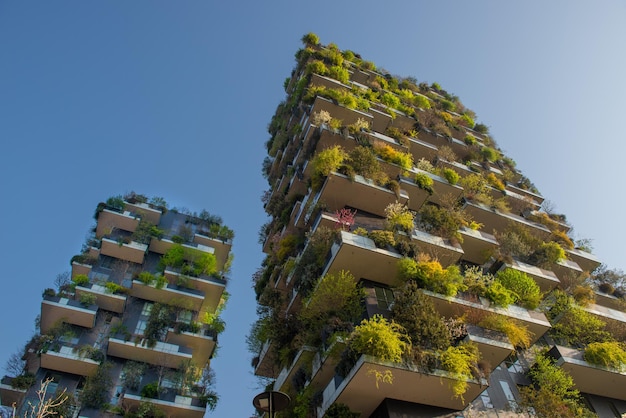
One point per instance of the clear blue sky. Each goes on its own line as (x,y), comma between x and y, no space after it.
(173,98)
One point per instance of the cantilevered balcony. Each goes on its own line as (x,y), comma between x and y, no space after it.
(566,269)
(162,354)
(108,220)
(442,249)
(180,407)
(323,364)
(359,255)
(360,391)
(461,169)
(202,343)
(210,288)
(347,116)
(496,220)
(80,268)
(614,318)
(340,191)
(586,261)
(56,309)
(453,307)
(493,346)
(328,82)
(609,301)
(442,189)
(10,395)
(104,299)
(527,193)
(266,365)
(477,245)
(132,251)
(68,359)
(421,149)
(145,211)
(169,294)
(303,359)
(590,378)
(417,195)
(221,249)
(545,279)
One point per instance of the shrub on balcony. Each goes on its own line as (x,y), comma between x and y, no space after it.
(526,291)
(429,274)
(151,390)
(610,354)
(87,299)
(451,175)
(382,239)
(96,392)
(80,280)
(317,67)
(339,410)
(325,162)
(133,372)
(421,101)
(114,288)
(416,314)
(519,335)
(460,361)
(310,39)
(443,221)
(390,154)
(500,295)
(379,338)
(424,181)
(339,73)
(23,381)
(489,154)
(495,182)
(577,326)
(399,217)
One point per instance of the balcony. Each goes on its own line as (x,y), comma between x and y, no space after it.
(323,364)
(586,261)
(545,279)
(453,307)
(221,249)
(477,245)
(162,354)
(615,319)
(347,116)
(104,299)
(210,288)
(132,251)
(267,362)
(180,407)
(421,149)
(320,80)
(441,187)
(493,346)
(566,269)
(8,394)
(56,309)
(340,191)
(590,378)
(495,220)
(67,360)
(442,249)
(79,268)
(303,358)
(108,220)
(360,256)
(609,301)
(145,211)
(417,196)
(461,169)
(361,393)
(202,343)
(527,193)
(169,294)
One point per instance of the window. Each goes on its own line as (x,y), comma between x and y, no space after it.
(384,297)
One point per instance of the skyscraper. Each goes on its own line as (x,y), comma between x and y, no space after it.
(132,329)
(411,269)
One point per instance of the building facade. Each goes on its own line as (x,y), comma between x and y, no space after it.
(411,270)
(132,329)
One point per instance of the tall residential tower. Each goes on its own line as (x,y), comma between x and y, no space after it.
(411,270)
(131,331)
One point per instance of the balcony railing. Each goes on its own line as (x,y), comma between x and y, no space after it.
(303,358)
(360,391)
(69,361)
(545,279)
(442,249)
(209,287)
(110,219)
(56,309)
(169,294)
(104,299)
(590,378)
(181,407)
(477,246)
(493,219)
(161,354)
(132,251)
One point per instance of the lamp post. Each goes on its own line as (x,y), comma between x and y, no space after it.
(271,401)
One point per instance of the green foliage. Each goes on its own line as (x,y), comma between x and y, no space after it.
(80,280)
(460,361)
(416,314)
(310,39)
(23,381)
(116,203)
(577,326)
(467,120)
(447,105)
(379,338)
(518,334)
(390,154)
(325,162)
(443,221)
(364,162)
(425,182)
(190,260)
(151,390)
(481,128)
(547,253)
(317,67)
(339,73)
(489,154)
(451,175)
(399,217)
(476,281)
(339,410)
(526,291)
(421,101)
(431,275)
(495,182)
(500,295)
(112,287)
(133,372)
(146,278)
(312,261)
(157,324)
(610,354)
(382,239)
(87,299)
(95,393)
(390,99)
(469,139)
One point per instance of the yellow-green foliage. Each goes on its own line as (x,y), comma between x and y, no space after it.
(382,239)
(447,118)
(392,155)
(285,247)
(578,326)
(489,154)
(431,275)
(518,334)
(609,354)
(526,291)
(451,175)
(379,338)
(563,239)
(469,139)
(421,101)
(460,361)
(473,185)
(495,182)
(339,73)
(424,181)
(325,162)
(317,67)
(399,216)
